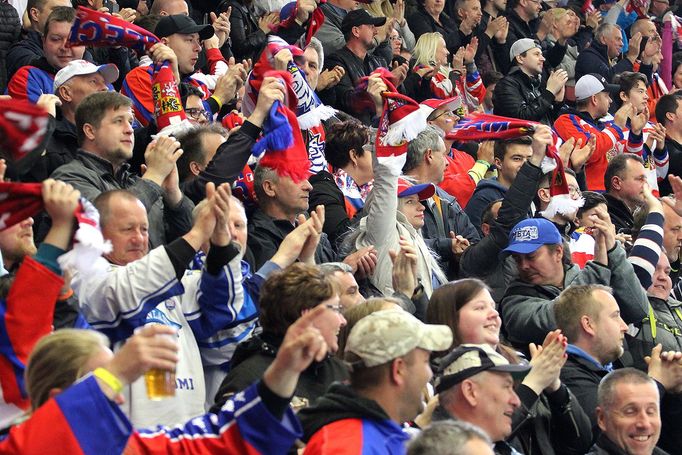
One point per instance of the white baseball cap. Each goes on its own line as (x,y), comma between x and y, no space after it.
(591,84)
(81,68)
(522,45)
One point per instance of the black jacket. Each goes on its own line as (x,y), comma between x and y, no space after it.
(421,22)
(28,49)
(595,59)
(247,39)
(266,234)
(519,96)
(252,358)
(343,95)
(582,377)
(620,214)
(550,424)
(61,149)
(675,168)
(518,28)
(10,31)
(325,192)
(226,164)
(605,446)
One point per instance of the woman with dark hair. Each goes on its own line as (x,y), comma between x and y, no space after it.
(343,190)
(467,307)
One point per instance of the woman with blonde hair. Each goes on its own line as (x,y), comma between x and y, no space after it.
(432,75)
(553,25)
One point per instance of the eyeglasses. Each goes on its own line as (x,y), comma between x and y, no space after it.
(337,308)
(459,112)
(396,38)
(574,191)
(196,112)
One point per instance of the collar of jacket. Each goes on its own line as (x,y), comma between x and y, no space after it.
(100,164)
(279,227)
(575,351)
(533,82)
(608,446)
(601,49)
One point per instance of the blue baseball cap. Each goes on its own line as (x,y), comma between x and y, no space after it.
(530,234)
(423,190)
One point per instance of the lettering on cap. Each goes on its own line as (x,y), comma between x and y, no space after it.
(526,234)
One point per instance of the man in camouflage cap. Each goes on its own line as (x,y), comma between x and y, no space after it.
(388,352)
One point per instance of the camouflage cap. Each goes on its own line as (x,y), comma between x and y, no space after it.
(468,360)
(388,334)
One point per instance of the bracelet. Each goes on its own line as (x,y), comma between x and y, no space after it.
(109,379)
(220,103)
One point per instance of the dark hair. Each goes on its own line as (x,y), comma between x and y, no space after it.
(491,77)
(592,199)
(487,215)
(617,166)
(666,103)
(501,147)
(59,14)
(342,137)
(627,81)
(148,22)
(448,300)
(94,107)
(287,293)
(677,61)
(187,90)
(192,146)
(38,4)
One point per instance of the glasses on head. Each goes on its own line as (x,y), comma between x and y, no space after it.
(196,113)
(337,308)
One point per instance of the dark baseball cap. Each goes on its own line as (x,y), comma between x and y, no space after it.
(468,360)
(359,17)
(185,25)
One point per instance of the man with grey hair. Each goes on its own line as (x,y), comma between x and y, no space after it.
(312,62)
(447,229)
(342,274)
(451,438)
(606,46)
(628,414)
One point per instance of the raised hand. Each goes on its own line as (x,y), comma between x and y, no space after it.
(161,157)
(404,276)
(546,362)
(221,25)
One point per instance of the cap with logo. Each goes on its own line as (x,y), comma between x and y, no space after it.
(82,68)
(591,84)
(388,334)
(184,25)
(359,17)
(530,234)
(522,45)
(468,360)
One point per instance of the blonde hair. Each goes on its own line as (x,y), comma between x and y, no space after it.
(381,8)
(552,16)
(425,49)
(58,360)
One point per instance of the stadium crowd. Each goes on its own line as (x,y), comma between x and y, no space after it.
(341,227)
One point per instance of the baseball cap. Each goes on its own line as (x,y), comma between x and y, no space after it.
(387,334)
(522,45)
(530,234)
(185,25)
(468,360)
(423,190)
(82,67)
(591,84)
(360,17)
(451,104)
